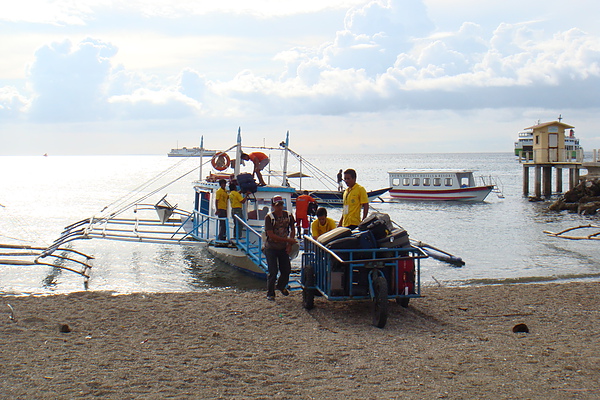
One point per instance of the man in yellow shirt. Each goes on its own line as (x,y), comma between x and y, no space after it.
(355,199)
(221,199)
(322,224)
(236,200)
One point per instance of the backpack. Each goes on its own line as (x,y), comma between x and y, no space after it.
(312,208)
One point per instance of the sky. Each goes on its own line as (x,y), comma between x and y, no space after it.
(342,76)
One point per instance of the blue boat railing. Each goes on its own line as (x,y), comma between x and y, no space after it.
(206,228)
(250,241)
(351,269)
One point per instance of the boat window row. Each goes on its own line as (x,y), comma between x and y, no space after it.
(423,181)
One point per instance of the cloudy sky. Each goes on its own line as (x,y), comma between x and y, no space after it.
(347,76)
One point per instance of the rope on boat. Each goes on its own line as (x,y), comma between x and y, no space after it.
(123,206)
(313,169)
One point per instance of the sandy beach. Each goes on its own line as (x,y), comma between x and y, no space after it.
(455,343)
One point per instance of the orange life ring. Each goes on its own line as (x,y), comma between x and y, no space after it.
(221,161)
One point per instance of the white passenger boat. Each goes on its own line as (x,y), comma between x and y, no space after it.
(440,184)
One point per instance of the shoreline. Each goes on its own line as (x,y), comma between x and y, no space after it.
(455,343)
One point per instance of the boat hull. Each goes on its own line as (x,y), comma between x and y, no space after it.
(335,198)
(237,259)
(478,193)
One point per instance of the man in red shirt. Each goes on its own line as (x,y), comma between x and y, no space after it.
(302,203)
(260,161)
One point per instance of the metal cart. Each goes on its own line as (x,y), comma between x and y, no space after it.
(360,274)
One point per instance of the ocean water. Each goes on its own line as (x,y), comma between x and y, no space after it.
(501,239)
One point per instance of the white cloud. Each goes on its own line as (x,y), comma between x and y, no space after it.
(386,57)
(69,81)
(153,104)
(12,103)
(67,12)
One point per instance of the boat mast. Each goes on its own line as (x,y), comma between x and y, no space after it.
(201,157)
(285,158)
(238,152)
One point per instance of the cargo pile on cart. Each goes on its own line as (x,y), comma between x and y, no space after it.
(374,262)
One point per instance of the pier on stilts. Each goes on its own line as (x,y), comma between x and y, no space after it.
(549,154)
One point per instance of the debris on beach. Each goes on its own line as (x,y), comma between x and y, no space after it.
(520,328)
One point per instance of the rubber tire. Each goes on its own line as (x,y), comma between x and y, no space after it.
(308,295)
(380,302)
(403,301)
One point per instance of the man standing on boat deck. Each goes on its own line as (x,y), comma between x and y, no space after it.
(279,227)
(260,161)
(340,181)
(221,199)
(302,203)
(236,200)
(355,199)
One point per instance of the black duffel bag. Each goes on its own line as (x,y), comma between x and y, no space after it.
(247,183)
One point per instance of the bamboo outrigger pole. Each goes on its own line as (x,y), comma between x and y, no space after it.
(561,234)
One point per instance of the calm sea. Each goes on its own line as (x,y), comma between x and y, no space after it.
(501,239)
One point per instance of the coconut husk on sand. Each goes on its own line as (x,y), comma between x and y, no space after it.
(455,343)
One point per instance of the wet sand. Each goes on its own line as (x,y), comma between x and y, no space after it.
(455,343)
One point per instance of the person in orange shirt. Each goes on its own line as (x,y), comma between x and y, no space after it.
(260,161)
(302,203)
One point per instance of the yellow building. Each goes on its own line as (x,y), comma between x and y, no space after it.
(549,142)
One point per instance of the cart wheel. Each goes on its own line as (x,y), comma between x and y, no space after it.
(308,295)
(380,302)
(403,301)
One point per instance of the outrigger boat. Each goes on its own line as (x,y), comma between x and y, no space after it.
(440,184)
(335,198)
(380,273)
(324,197)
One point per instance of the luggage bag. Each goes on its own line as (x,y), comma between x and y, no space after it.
(336,233)
(246,183)
(376,216)
(398,238)
(344,243)
(366,240)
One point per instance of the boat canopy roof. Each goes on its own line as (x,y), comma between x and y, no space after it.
(431,171)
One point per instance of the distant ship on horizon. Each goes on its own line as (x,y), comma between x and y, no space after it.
(190,152)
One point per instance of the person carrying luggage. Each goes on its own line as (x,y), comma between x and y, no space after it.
(281,233)
(260,161)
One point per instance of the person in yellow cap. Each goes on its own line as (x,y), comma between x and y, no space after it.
(355,199)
